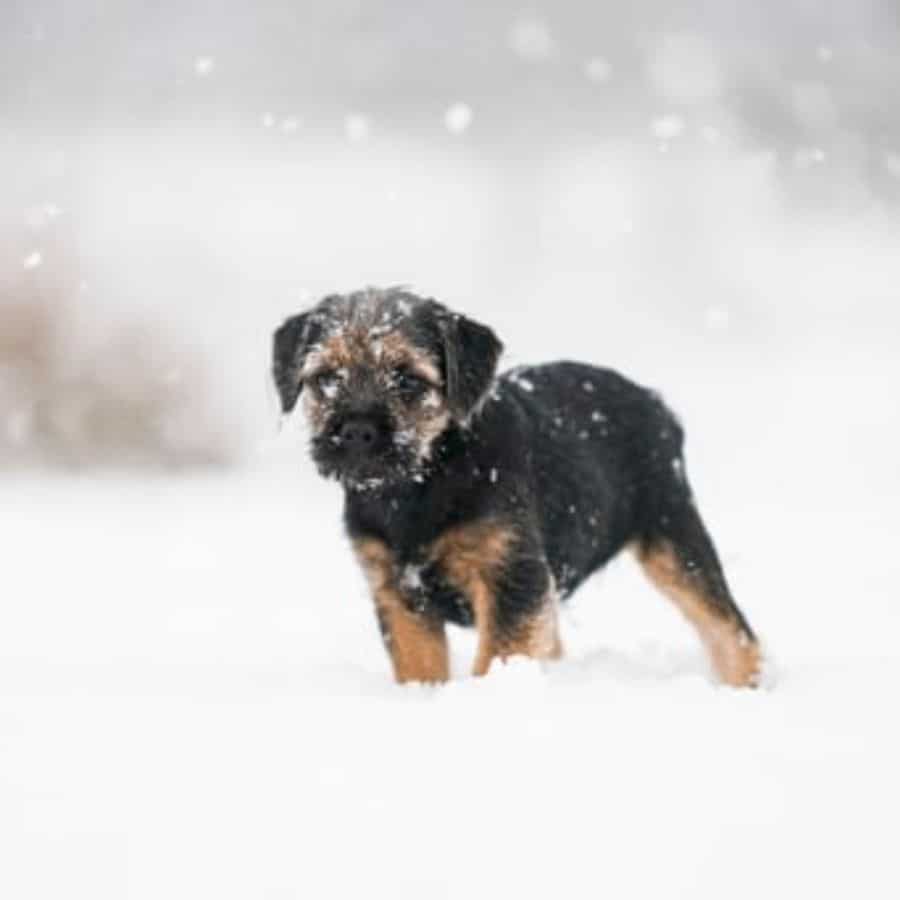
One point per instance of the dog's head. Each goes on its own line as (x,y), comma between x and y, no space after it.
(383,374)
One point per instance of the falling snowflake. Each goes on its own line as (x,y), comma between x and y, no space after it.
(356,128)
(717,318)
(807,157)
(892,164)
(33,260)
(598,69)
(204,66)
(41,216)
(666,128)
(458,118)
(520,381)
(530,40)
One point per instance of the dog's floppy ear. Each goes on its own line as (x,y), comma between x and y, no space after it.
(471,354)
(289,348)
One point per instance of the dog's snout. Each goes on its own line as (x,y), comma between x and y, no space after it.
(359,436)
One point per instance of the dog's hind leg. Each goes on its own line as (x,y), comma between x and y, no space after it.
(679,557)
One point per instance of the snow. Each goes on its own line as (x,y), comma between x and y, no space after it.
(517,378)
(806,157)
(668,127)
(531,40)
(598,69)
(34,260)
(204,66)
(892,164)
(458,118)
(357,128)
(38,217)
(717,317)
(412,578)
(194,702)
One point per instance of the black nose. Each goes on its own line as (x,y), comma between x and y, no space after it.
(358,436)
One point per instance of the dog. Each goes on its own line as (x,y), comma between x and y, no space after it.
(485,501)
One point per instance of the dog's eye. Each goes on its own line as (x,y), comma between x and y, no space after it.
(327,383)
(408,384)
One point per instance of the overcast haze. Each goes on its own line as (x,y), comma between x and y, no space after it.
(177,175)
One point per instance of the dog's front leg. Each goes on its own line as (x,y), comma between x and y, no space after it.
(415,641)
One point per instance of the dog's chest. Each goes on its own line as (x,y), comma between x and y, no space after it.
(427,590)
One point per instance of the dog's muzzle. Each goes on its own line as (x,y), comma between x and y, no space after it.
(359,446)
(360,439)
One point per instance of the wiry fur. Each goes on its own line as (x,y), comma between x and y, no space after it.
(485,501)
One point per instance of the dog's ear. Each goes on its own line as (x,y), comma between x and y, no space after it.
(290,345)
(471,354)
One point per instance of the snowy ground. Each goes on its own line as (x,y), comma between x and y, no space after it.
(194,702)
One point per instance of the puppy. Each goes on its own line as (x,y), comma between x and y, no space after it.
(485,501)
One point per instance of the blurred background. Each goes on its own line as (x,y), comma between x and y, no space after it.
(692,191)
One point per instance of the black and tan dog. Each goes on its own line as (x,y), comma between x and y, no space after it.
(482,500)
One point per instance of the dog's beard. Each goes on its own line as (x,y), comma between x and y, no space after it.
(405,460)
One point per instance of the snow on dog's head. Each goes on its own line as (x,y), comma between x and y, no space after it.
(385,376)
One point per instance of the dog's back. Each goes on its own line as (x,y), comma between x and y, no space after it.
(605,456)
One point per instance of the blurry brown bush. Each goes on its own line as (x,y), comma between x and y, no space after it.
(79,390)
